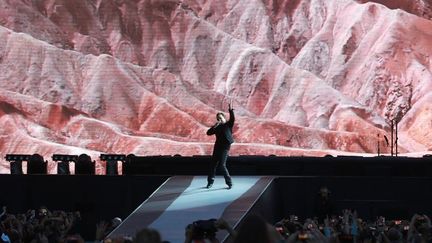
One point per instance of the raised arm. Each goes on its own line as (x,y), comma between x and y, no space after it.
(231,120)
(412,229)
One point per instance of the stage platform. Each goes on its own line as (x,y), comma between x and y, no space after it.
(182,200)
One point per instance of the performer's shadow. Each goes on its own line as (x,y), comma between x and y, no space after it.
(214,188)
(201,189)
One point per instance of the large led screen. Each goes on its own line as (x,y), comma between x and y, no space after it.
(305,77)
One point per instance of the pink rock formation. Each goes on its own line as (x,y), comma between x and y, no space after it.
(307,77)
(420,8)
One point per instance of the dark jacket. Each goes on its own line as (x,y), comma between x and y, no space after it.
(223,132)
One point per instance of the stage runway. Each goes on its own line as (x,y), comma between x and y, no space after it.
(182,200)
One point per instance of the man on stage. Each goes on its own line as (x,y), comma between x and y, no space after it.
(223,131)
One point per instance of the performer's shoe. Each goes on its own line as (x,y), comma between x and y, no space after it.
(209,185)
(229,187)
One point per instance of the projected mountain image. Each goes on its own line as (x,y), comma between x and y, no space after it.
(306,77)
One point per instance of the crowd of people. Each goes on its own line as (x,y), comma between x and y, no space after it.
(45,226)
(40,226)
(347,227)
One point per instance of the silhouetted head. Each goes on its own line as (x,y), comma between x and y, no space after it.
(324,192)
(220,117)
(116,222)
(254,229)
(394,235)
(147,236)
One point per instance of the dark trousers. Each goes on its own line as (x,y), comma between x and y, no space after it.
(219,158)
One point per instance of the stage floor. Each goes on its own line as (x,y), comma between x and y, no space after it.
(182,200)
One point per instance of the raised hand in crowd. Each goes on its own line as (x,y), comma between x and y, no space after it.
(101,228)
(223,225)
